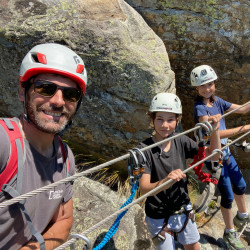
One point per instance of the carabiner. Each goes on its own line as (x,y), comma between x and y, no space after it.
(135,166)
(219,162)
(132,166)
(209,126)
(82,237)
(200,137)
(144,160)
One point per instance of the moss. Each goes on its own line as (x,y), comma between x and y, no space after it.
(210,8)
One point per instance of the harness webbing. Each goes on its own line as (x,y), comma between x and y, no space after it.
(14,135)
(14,168)
(202,176)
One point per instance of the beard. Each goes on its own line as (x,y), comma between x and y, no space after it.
(48,125)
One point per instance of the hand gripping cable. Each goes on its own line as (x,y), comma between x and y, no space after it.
(136,167)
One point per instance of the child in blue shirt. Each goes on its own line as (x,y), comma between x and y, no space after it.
(231,184)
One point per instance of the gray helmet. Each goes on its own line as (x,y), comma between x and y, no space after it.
(166,102)
(202,75)
(53,58)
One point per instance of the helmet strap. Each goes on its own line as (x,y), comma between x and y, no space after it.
(71,122)
(25,114)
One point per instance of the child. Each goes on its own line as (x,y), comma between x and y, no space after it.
(231,183)
(171,204)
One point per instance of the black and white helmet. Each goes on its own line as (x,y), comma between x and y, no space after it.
(202,75)
(53,58)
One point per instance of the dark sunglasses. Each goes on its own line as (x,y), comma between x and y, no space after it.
(48,89)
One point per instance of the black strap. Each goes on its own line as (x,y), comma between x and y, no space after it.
(13,193)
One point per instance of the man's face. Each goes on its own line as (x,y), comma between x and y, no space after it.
(50,114)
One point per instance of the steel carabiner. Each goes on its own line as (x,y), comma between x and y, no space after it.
(82,237)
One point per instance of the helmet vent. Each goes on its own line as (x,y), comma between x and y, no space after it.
(79,68)
(39,58)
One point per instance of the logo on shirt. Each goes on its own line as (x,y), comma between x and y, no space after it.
(54,195)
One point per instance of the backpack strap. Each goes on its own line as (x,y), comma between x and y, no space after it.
(64,155)
(14,171)
(17,154)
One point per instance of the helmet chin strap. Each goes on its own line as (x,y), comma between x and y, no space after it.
(25,114)
(71,122)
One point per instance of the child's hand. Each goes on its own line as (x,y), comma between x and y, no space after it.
(176,175)
(215,121)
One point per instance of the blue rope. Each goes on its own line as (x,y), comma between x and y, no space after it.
(115,225)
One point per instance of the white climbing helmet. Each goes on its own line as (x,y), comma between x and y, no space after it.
(53,58)
(202,75)
(166,102)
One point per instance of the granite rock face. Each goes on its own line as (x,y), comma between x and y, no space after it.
(212,32)
(126,61)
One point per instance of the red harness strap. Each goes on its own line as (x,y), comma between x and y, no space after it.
(203,177)
(11,167)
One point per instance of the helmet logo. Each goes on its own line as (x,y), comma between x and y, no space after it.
(203,72)
(76,59)
(165,108)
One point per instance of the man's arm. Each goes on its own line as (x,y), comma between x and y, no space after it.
(58,230)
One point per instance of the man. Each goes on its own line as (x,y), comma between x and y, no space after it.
(52,82)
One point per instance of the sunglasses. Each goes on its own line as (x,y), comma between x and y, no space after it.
(48,89)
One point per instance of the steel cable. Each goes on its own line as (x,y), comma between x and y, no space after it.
(75,176)
(112,216)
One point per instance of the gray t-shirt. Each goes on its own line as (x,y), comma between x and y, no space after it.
(38,171)
(159,165)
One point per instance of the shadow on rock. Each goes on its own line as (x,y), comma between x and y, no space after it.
(110,244)
(213,242)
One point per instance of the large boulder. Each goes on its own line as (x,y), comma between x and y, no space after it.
(126,61)
(94,202)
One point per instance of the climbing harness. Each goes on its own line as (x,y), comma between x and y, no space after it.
(136,166)
(185,209)
(88,244)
